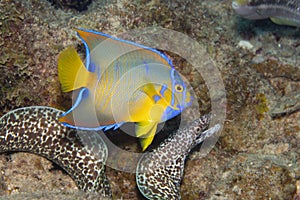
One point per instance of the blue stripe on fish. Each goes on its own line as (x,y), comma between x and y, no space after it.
(156,98)
(163,89)
(146,67)
(93,67)
(107,127)
(167,112)
(118,125)
(104,128)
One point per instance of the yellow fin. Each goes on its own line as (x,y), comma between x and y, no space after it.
(145,142)
(72,73)
(146,130)
(139,109)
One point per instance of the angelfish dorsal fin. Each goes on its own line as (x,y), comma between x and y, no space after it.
(104,49)
(91,39)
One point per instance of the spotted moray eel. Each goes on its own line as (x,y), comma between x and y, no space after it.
(286,12)
(81,154)
(159,172)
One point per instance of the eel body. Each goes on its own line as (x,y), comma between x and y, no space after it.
(82,154)
(159,172)
(283,12)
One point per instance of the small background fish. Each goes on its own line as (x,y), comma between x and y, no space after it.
(283,12)
(120,82)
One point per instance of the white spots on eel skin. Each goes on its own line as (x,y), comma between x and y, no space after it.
(159,172)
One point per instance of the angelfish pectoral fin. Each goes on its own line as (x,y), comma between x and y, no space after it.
(145,131)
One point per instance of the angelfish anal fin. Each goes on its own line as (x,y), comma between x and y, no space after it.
(145,131)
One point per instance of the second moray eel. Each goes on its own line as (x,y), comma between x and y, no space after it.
(160,171)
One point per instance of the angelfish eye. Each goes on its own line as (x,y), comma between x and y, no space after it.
(178,88)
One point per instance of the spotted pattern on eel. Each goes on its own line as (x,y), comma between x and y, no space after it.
(82,154)
(159,172)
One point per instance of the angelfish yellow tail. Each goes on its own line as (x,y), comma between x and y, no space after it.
(72,73)
(145,142)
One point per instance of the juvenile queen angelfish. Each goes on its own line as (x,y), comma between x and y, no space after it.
(120,82)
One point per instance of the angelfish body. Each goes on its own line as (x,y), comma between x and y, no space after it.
(120,82)
(282,12)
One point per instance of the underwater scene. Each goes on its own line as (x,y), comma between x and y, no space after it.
(150,99)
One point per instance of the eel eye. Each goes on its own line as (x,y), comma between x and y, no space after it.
(178,88)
